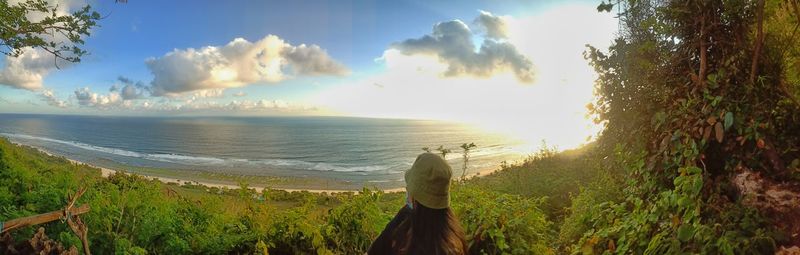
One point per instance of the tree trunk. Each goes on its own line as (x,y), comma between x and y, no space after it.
(701,76)
(759,41)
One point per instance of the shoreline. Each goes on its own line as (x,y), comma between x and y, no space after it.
(106,172)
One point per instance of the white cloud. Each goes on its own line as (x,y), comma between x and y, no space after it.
(88,98)
(451,43)
(208,93)
(263,106)
(50,98)
(128,89)
(495,27)
(237,64)
(129,92)
(239,94)
(202,101)
(312,60)
(255,105)
(27,71)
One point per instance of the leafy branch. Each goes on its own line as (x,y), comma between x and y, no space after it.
(58,34)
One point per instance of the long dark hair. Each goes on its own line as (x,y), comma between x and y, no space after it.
(430,231)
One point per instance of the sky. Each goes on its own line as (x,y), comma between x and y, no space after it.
(511,66)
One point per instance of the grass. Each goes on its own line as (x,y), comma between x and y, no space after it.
(555,176)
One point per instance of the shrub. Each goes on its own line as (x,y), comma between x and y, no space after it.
(352,226)
(498,223)
(587,205)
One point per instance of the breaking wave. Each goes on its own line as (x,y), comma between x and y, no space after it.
(206,161)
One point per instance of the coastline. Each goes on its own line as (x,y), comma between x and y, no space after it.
(106,172)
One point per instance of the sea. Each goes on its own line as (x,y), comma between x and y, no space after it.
(360,151)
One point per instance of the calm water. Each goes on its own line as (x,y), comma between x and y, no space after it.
(357,150)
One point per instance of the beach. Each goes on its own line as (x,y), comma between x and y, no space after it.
(106,172)
(308,153)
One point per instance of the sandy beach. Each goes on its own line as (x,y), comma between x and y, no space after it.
(108,172)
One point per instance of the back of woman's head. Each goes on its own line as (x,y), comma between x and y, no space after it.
(430,231)
(432,228)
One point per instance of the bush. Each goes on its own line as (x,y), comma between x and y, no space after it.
(293,232)
(554,176)
(498,223)
(587,206)
(352,226)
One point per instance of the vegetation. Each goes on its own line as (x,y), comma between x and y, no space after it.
(696,95)
(466,148)
(133,215)
(699,154)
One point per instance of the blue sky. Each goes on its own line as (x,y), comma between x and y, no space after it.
(355,58)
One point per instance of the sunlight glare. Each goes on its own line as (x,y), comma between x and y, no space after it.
(551,109)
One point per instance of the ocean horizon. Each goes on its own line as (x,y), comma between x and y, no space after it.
(357,151)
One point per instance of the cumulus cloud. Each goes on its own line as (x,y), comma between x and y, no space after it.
(233,107)
(260,104)
(208,93)
(201,101)
(28,69)
(451,42)
(50,98)
(129,92)
(496,27)
(239,94)
(128,89)
(236,64)
(88,98)
(312,60)
(124,80)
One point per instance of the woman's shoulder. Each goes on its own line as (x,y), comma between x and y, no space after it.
(383,244)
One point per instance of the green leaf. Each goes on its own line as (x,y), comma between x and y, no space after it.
(693,170)
(685,232)
(712,80)
(697,185)
(725,246)
(728,120)
(795,163)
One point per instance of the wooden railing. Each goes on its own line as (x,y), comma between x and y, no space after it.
(70,214)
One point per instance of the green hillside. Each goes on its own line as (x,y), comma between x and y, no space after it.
(133,215)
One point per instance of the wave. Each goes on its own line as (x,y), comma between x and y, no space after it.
(318,166)
(76,144)
(206,161)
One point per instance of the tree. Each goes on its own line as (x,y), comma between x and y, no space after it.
(38,24)
(444,151)
(693,94)
(465,153)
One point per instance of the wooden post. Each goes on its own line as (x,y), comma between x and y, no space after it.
(69,214)
(42,218)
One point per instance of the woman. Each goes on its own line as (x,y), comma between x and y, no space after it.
(425,225)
